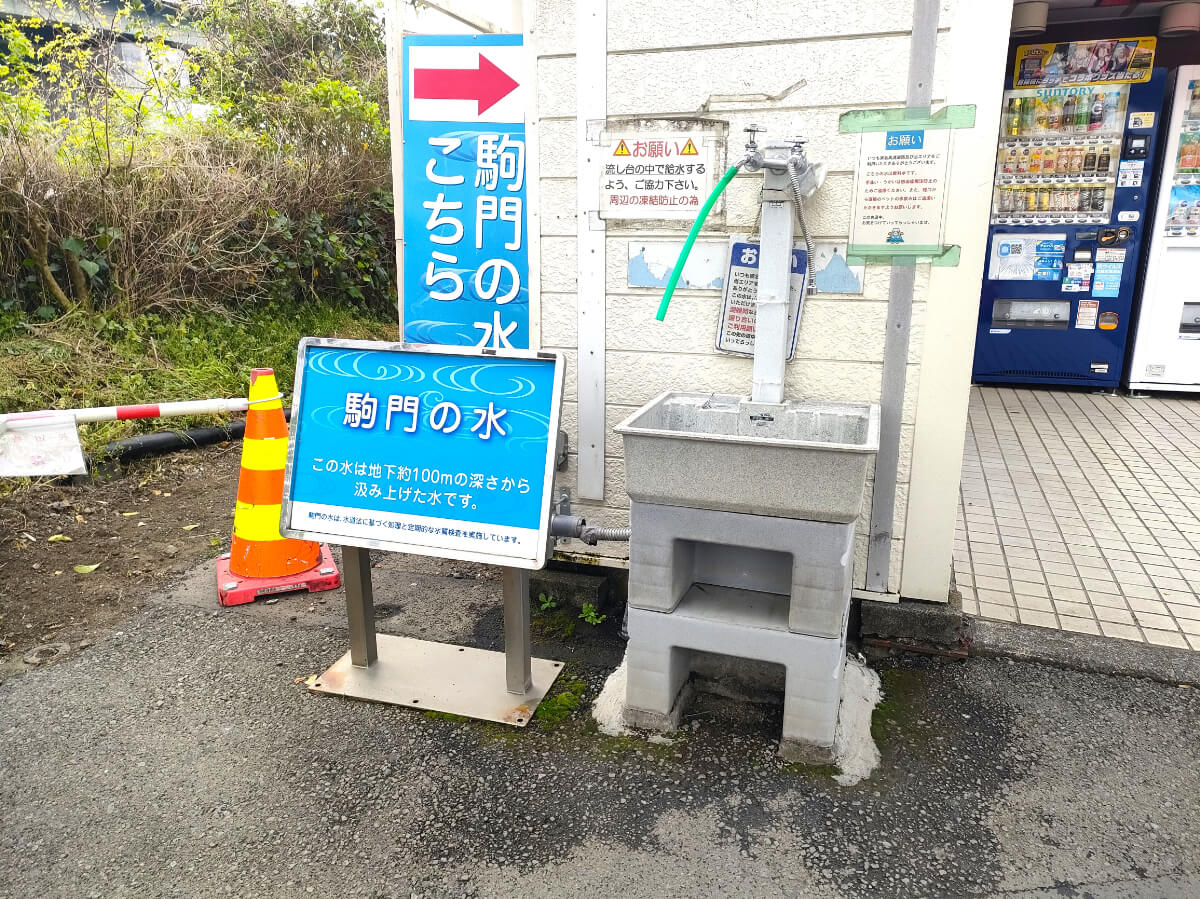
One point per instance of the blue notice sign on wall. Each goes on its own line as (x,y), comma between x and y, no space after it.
(429,450)
(466,260)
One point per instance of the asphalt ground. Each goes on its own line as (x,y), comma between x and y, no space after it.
(181,755)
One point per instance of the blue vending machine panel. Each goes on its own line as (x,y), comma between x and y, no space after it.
(1072,187)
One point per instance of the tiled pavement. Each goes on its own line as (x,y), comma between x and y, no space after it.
(1081,511)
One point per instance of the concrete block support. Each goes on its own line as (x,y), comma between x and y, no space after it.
(808,563)
(746,624)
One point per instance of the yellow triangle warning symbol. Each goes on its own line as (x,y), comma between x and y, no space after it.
(689,149)
(621,150)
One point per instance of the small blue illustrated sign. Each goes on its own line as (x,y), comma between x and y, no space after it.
(466,257)
(431,450)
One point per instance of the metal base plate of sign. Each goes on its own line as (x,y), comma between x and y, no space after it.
(505,687)
(440,677)
(431,483)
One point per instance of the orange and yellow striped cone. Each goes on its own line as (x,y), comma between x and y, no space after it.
(261,560)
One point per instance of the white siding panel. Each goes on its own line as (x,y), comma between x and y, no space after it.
(558,207)
(853,72)
(555,28)
(559,316)
(558,264)
(557,148)
(827,211)
(556,86)
(651,24)
(614,415)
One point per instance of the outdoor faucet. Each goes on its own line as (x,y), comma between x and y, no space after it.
(753,160)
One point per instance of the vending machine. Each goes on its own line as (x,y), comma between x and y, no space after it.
(1166,343)
(1073,182)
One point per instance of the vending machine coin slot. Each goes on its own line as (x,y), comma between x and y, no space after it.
(1041,315)
(1115,237)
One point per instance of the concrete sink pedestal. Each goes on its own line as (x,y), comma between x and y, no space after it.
(743,518)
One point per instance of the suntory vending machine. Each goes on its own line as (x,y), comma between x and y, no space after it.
(1166,342)
(1074,166)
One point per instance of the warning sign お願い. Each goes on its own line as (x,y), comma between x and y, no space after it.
(656,175)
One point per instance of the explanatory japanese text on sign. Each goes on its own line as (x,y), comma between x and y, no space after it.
(735,330)
(900,193)
(655,175)
(438,451)
(466,266)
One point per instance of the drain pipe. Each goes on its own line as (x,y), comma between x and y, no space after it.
(574,527)
(771,303)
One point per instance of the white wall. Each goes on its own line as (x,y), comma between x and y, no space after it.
(791,68)
(713,59)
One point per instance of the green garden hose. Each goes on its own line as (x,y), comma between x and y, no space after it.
(691,239)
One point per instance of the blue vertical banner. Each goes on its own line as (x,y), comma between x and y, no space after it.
(466,259)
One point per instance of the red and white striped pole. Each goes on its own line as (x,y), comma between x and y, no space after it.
(125,413)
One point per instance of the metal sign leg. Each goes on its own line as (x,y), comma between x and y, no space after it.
(360,605)
(517,652)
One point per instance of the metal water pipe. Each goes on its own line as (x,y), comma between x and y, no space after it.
(788,178)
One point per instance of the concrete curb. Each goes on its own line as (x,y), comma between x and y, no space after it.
(1083,652)
(942,629)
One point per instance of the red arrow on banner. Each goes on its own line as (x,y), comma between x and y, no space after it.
(487,84)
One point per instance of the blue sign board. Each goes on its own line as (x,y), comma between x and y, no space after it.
(735,330)
(429,450)
(466,262)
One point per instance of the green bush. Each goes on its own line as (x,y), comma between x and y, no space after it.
(256,169)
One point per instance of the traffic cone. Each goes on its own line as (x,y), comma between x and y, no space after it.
(262,561)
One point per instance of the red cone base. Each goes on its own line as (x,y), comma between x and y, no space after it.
(234,590)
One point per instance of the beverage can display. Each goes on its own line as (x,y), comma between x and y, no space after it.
(1112,112)
(1089,162)
(1023,162)
(1027,116)
(1008,164)
(1035,161)
(1099,199)
(1082,104)
(1012,118)
(1041,117)
(1050,160)
(1062,165)
(1043,199)
(1054,115)
(1076,165)
(1030,200)
(1072,203)
(1103,163)
(1096,113)
(1067,121)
